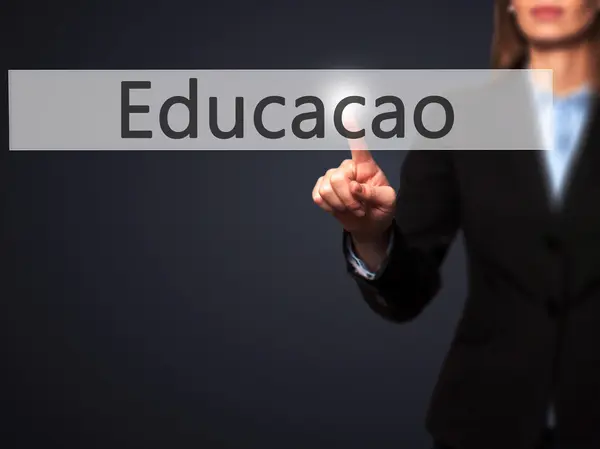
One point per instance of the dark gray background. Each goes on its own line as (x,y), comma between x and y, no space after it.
(176,300)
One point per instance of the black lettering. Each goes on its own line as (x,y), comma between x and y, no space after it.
(191,103)
(398,115)
(418,117)
(337,117)
(258,117)
(318,115)
(238,128)
(126,109)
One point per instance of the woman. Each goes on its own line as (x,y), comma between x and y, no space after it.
(523,370)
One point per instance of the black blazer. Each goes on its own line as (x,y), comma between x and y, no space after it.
(530,330)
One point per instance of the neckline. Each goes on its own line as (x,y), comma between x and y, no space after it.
(540,91)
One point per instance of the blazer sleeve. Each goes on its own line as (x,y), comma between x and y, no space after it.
(426,222)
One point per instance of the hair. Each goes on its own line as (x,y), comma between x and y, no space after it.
(509,46)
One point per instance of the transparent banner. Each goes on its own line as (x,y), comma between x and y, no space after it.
(275,109)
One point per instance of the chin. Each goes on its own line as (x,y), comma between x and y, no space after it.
(551,40)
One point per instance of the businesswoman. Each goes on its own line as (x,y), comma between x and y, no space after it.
(523,370)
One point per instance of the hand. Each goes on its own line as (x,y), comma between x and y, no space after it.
(358,194)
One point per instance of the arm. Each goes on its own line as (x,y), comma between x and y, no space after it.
(368,260)
(426,222)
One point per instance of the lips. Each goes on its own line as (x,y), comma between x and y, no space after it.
(547,12)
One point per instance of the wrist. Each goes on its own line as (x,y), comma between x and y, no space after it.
(372,239)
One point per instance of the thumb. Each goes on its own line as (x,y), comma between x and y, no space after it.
(379,196)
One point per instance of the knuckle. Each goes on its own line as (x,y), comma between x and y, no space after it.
(348,167)
(325,189)
(338,177)
(367,192)
(354,205)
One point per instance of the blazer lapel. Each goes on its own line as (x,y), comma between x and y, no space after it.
(529,166)
(584,170)
(530,171)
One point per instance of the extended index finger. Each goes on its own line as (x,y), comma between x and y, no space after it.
(358,147)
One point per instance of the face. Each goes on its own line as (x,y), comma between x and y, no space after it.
(552,22)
